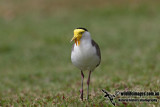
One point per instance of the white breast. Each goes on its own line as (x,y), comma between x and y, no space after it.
(84,56)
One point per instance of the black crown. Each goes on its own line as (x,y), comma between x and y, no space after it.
(82,28)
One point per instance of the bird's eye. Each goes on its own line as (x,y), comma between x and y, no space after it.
(81,32)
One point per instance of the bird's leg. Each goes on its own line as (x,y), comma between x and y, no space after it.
(88,81)
(81,91)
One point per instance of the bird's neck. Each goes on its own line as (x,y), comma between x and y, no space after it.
(86,36)
(85,41)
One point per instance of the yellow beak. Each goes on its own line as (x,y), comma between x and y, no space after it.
(75,38)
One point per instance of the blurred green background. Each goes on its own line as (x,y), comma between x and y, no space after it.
(35,66)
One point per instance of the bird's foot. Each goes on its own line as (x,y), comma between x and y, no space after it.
(87,97)
(81,91)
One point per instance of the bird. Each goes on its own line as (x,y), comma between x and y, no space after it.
(85,55)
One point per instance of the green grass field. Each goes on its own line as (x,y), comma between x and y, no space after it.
(35,65)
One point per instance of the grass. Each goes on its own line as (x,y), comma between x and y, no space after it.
(35,66)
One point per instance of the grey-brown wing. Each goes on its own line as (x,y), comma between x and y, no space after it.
(97,49)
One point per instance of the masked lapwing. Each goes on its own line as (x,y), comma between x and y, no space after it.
(85,54)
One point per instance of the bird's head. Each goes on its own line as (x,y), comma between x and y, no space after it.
(78,32)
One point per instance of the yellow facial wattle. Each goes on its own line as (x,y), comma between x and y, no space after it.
(77,36)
